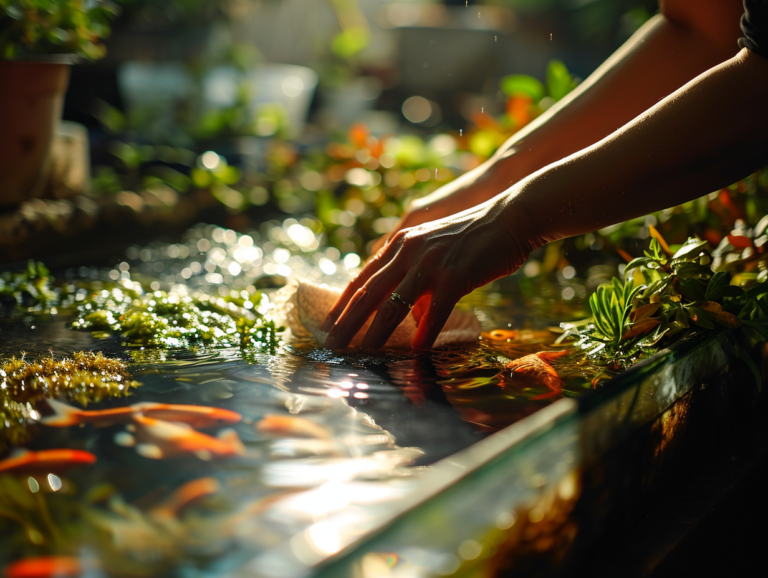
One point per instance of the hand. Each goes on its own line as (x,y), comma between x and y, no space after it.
(430,266)
(469,190)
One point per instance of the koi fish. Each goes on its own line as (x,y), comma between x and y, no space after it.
(157,440)
(197,416)
(185,495)
(46,461)
(289,426)
(536,369)
(44,567)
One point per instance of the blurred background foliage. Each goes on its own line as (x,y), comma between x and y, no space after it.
(340,112)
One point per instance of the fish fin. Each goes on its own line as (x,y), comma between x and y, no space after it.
(63,415)
(125,439)
(150,451)
(230,437)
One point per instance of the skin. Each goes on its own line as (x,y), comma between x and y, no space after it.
(650,151)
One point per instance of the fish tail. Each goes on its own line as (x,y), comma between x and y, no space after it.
(63,415)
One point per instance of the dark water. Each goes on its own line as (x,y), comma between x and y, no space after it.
(379,416)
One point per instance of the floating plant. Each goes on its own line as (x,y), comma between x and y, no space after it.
(86,377)
(170,320)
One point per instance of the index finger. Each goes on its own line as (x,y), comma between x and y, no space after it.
(369,270)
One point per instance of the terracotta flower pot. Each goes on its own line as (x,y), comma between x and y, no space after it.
(30,109)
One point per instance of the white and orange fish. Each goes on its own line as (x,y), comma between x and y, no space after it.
(289,426)
(158,439)
(197,416)
(535,369)
(44,567)
(47,461)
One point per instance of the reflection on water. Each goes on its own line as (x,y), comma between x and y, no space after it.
(169,488)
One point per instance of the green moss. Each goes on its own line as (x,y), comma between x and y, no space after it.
(86,377)
(164,320)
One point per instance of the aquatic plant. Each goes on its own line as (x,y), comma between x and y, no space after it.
(668,296)
(170,320)
(85,377)
(29,289)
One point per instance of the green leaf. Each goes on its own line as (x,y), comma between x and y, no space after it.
(692,289)
(760,326)
(690,249)
(637,262)
(523,84)
(692,270)
(717,285)
(702,319)
(559,80)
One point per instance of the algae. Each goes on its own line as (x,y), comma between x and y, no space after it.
(86,377)
(177,320)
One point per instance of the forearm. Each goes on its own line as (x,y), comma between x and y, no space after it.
(662,56)
(706,135)
(659,58)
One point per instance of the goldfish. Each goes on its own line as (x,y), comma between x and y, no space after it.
(290,426)
(536,369)
(197,416)
(44,567)
(185,495)
(157,439)
(46,460)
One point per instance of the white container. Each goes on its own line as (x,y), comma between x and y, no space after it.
(291,87)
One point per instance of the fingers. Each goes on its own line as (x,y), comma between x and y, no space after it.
(433,320)
(372,267)
(364,302)
(391,314)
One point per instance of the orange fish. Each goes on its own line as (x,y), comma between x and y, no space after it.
(185,495)
(536,370)
(46,461)
(44,567)
(290,426)
(198,416)
(157,439)
(502,334)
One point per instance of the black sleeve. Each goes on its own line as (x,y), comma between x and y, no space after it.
(754,25)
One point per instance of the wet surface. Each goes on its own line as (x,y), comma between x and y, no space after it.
(311,419)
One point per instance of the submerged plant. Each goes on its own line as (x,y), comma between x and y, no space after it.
(169,320)
(86,377)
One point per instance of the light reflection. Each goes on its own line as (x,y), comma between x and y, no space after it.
(325,537)
(34,487)
(55,482)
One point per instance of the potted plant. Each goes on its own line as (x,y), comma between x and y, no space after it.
(39,39)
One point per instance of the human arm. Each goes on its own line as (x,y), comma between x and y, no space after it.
(704,136)
(685,39)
